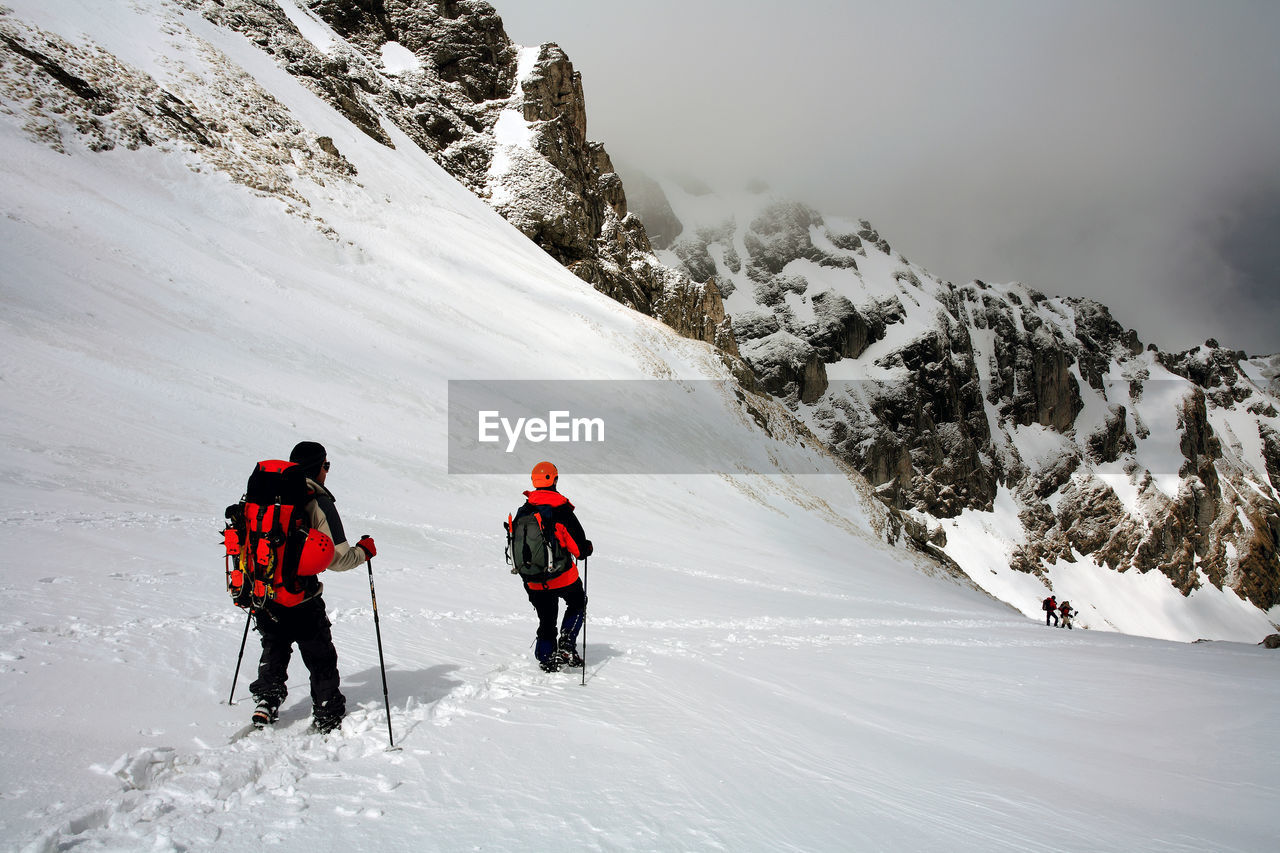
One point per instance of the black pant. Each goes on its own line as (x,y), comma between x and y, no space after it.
(307,625)
(547,603)
(1051,614)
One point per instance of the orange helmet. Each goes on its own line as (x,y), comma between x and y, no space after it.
(317,554)
(544,474)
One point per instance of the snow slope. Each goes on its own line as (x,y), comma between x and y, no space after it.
(764,672)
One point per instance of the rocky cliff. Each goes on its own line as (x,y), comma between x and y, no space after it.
(946,397)
(508,122)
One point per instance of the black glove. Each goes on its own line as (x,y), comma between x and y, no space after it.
(586,550)
(366,544)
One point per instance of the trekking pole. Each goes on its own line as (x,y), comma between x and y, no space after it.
(381,664)
(231,699)
(584,622)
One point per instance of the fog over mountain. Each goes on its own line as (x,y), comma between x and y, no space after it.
(1129,153)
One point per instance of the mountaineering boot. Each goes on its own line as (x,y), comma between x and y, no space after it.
(567,655)
(328,715)
(267,712)
(324,725)
(545,652)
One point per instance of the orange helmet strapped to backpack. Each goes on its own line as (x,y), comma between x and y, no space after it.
(317,554)
(544,474)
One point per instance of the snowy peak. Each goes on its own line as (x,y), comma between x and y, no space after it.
(946,397)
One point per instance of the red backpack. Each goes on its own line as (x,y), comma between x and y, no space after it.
(272,554)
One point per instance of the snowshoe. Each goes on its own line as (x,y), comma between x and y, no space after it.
(551,664)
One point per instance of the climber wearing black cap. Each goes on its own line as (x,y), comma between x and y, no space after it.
(305,623)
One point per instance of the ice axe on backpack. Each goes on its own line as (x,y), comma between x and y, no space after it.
(231,543)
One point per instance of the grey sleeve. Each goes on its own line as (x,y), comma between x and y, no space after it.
(325,518)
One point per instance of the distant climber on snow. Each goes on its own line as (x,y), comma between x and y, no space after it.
(1067,613)
(1050,607)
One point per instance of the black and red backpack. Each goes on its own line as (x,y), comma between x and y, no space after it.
(272,553)
(534,549)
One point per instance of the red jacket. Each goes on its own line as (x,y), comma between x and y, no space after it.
(568,532)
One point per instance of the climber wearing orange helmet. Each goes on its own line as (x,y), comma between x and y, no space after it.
(300,618)
(562,583)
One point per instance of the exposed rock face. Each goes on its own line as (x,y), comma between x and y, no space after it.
(559,188)
(839,330)
(1271,452)
(236,125)
(786,352)
(786,365)
(958,391)
(556,186)
(1216,527)
(780,235)
(923,435)
(1030,376)
(928,429)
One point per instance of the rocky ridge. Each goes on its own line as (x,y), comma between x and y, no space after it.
(943,395)
(442,72)
(240,129)
(464,77)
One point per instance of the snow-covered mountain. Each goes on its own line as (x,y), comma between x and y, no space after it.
(979,373)
(507,121)
(943,395)
(1034,437)
(208,258)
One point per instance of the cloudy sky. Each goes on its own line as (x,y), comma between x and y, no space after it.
(1127,150)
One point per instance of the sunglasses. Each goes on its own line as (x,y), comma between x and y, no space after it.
(326,465)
